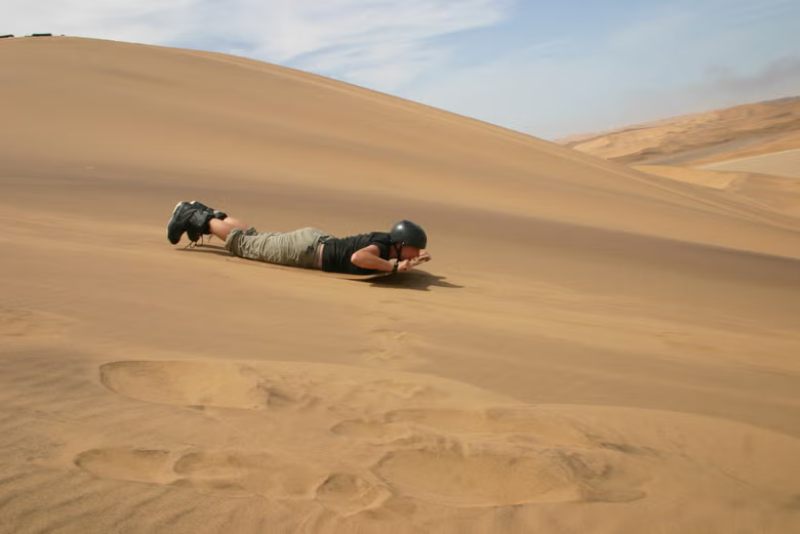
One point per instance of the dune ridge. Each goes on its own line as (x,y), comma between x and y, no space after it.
(747,153)
(739,131)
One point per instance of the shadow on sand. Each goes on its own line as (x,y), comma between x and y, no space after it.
(207,249)
(419,280)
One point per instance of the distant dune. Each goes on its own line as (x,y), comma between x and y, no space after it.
(746,130)
(781,163)
(749,153)
(594,347)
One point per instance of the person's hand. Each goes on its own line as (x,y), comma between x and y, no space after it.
(424,256)
(407,265)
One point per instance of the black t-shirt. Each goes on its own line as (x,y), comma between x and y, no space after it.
(337,252)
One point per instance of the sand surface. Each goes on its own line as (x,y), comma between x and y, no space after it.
(777,193)
(783,163)
(592,349)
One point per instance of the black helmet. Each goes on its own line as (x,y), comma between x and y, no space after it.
(408,233)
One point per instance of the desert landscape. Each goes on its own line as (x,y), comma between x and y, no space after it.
(606,339)
(751,152)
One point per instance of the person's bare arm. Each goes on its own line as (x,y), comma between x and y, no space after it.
(369,258)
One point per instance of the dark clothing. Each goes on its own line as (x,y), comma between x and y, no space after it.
(337,251)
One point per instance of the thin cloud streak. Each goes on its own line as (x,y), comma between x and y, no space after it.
(777,79)
(381,43)
(660,64)
(548,69)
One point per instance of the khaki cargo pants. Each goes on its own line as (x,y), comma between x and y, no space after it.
(296,248)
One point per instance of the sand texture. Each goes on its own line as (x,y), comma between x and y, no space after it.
(594,348)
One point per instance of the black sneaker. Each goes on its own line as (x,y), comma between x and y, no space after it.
(189,217)
(198,223)
(216,214)
(177,223)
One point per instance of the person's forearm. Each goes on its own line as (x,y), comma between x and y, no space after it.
(370,261)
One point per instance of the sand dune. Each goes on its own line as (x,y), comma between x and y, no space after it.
(782,163)
(777,194)
(750,152)
(593,349)
(746,130)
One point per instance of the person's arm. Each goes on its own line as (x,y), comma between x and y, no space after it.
(369,257)
(407,265)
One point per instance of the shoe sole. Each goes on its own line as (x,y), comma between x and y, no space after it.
(169,224)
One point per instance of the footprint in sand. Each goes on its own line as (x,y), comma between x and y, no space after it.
(349,494)
(258,473)
(493,477)
(501,456)
(399,434)
(269,385)
(139,465)
(197,383)
(236,473)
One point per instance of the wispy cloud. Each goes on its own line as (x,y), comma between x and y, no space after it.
(549,69)
(776,79)
(748,12)
(148,21)
(387,44)
(655,63)
(380,43)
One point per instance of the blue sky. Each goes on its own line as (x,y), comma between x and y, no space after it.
(546,68)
